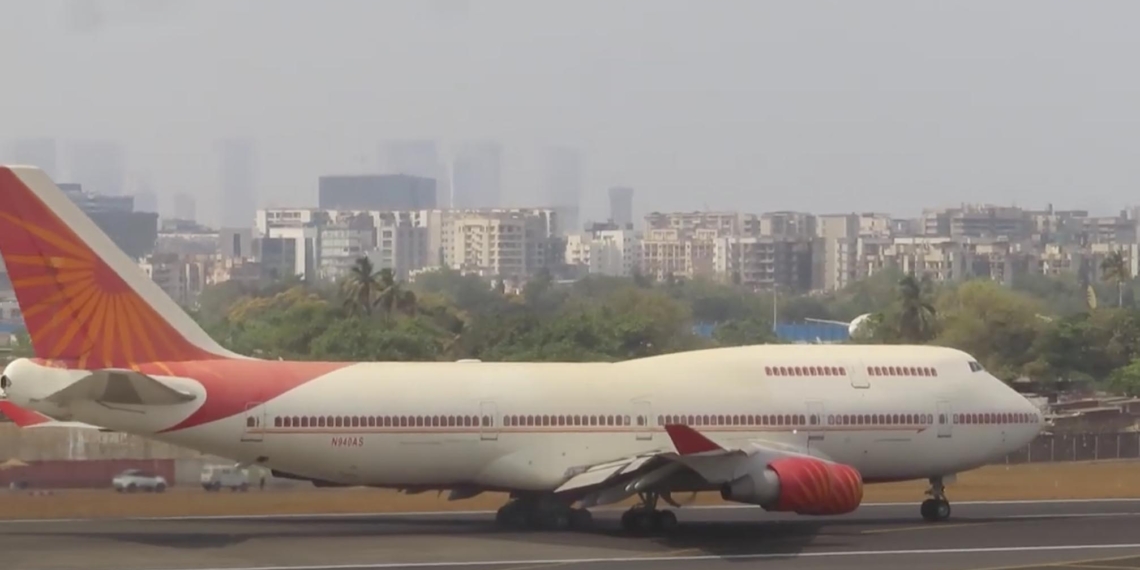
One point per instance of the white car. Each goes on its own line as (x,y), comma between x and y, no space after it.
(133,480)
(215,477)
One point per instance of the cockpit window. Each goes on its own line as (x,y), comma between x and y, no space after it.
(975,367)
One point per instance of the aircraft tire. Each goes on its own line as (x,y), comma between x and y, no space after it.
(664,521)
(581,519)
(935,510)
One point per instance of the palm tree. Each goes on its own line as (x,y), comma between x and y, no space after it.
(1114,269)
(916,313)
(361,286)
(392,297)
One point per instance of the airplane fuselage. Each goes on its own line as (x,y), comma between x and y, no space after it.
(893,413)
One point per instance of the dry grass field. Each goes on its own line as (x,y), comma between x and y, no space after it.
(1110,479)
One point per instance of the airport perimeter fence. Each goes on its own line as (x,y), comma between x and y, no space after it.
(1048,448)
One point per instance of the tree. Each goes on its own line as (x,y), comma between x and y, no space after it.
(1114,269)
(1126,381)
(994,324)
(392,297)
(915,315)
(362,286)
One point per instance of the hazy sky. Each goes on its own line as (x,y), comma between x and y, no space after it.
(753,105)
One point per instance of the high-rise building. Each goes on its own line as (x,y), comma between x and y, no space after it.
(238,199)
(134,232)
(386,192)
(563,184)
(100,166)
(411,157)
(146,201)
(476,175)
(38,152)
(621,206)
(185,207)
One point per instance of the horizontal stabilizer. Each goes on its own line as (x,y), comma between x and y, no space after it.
(26,418)
(120,387)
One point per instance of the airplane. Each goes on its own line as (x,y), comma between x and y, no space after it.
(797,429)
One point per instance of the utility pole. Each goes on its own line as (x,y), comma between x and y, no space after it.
(775,304)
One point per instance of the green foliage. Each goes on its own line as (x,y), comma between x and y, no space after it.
(1126,380)
(1041,327)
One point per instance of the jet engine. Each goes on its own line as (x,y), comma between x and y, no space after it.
(801,485)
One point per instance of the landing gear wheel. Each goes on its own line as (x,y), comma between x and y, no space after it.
(554,520)
(512,516)
(935,510)
(664,521)
(638,521)
(937,507)
(581,519)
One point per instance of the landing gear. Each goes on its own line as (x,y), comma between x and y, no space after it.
(936,508)
(542,513)
(645,518)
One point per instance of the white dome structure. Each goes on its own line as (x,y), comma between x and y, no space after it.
(853,326)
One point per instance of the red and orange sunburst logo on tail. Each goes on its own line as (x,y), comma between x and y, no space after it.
(75,307)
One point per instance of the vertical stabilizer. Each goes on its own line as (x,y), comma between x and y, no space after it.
(83,300)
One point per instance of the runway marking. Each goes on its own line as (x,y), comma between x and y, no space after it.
(515,564)
(491,512)
(923,527)
(1069,564)
(653,555)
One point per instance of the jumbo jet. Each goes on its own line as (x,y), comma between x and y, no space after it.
(797,429)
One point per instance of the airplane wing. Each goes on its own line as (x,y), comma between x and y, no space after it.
(25,418)
(693,453)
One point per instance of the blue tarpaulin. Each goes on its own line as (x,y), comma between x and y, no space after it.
(793,332)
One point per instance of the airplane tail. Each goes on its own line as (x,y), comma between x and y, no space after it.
(83,300)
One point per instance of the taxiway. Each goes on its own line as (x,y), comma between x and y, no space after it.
(1062,534)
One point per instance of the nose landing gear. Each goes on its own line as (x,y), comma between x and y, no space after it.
(937,507)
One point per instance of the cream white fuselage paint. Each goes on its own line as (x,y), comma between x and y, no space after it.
(667,389)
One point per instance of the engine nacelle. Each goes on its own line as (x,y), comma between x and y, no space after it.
(801,485)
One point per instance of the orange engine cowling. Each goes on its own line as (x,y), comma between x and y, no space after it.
(801,485)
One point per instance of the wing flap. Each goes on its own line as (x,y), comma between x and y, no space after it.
(120,387)
(599,474)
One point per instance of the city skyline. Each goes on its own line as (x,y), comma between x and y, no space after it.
(765,106)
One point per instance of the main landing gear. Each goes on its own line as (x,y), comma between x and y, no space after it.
(936,508)
(538,512)
(645,518)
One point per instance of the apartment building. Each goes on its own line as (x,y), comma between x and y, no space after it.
(401,246)
(724,223)
(605,249)
(765,262)
(182,277)
(490,246)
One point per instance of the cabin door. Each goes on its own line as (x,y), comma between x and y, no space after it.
(488,421)
(859,377)
(255,417)
(945,419)
(815,419)
(642,420)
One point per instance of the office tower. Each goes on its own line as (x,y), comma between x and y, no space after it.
(38,152)
(238,200)
(185,207)
(99,165)
(385,192)
(476,175)
(146,201)
(621,206)
(563,185)
(412,157)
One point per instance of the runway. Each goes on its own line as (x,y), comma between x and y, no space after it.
(1059,535)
